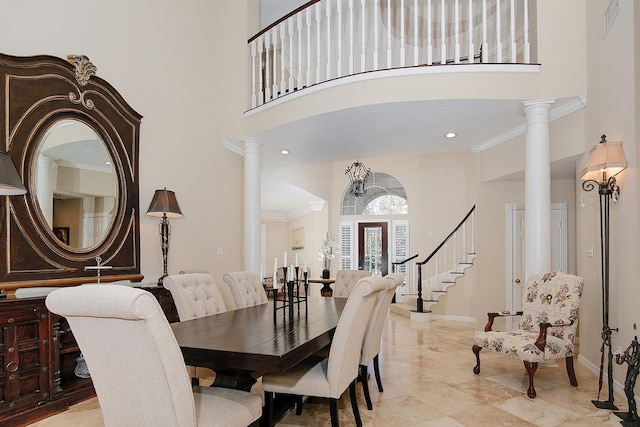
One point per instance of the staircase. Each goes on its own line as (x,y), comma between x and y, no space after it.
(443,268)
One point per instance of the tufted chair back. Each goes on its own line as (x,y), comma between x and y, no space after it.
(246,288)
(136,365)
(195,295)
(346,280)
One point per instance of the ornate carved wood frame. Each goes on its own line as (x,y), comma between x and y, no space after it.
(37,92)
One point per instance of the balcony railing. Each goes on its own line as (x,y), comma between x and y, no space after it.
(330,39)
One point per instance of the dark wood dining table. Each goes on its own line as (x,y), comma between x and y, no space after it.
(244,344)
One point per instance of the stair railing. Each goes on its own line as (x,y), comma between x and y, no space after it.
(464,231)
(396,268)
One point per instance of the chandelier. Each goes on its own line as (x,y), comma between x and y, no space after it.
(358,174)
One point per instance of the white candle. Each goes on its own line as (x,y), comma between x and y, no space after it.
(275,273)
(285,258)
(291,273)
(296,259)
(305,264)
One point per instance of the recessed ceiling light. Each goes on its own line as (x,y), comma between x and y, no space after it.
(285,152)
(450,135)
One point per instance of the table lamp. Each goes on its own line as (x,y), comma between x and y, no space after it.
(164,205)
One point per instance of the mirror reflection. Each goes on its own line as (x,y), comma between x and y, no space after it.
(75,184)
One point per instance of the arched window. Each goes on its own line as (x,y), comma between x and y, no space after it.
(384,196)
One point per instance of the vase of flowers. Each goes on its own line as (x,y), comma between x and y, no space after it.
(327,252)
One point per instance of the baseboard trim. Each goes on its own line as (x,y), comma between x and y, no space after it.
(466,319)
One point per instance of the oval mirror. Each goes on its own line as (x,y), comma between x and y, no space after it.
(76,186)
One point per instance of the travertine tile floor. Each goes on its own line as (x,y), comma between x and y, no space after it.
(428,381)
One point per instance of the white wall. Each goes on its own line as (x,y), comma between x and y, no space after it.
(613,109)
(167,60)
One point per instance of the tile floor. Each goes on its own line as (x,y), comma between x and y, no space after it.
(428,381)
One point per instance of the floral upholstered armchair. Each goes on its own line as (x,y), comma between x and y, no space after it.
(547,325)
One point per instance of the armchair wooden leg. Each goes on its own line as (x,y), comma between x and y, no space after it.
(531,370)
(333,410)
(376,369)
(354,403)
(570,371)
(476,350)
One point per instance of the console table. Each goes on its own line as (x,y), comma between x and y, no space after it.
(38,356)
(326,290)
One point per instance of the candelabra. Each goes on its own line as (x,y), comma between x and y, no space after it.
(291,299)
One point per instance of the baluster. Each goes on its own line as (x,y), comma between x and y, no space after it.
(456,53)
(483,50)
(350,37)
(471,58)
(512,32)
(498,32)
(308,46)
(291,54)
(274,38)
(416,42)
(283,34)
(436,275)
(443,33)
(402,35)
(299,61)
(318,40)
(389,58)
(419,305)
(527,47)
(464,241)
(328,12)
(253,73)
(363,42)
(429,33)
(473,231)
(260,68)
(267,67)
(376,33)
(446,257)
(455,250)
(339,20)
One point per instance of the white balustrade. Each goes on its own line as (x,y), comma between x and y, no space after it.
(336,38)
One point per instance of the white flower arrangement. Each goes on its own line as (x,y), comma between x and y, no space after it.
(327,252)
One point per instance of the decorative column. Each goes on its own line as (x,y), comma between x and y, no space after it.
(537,184)
(46,178)
(252,206)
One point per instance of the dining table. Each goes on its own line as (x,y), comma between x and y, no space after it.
(244,344)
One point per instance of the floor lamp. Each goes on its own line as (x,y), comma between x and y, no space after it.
(164,205)
(606,160)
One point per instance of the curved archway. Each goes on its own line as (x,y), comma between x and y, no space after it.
(384,195)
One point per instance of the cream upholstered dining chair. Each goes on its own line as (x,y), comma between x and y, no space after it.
(330,377)
(373,336)
(346,280)
(136,365)
(246,288)
(547,325)
(195,295)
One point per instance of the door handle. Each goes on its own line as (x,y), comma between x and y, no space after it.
(517,280)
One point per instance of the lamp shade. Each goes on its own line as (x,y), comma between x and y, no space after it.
(164,202)
(10,183)
(605,160)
